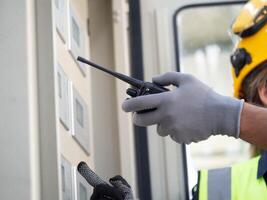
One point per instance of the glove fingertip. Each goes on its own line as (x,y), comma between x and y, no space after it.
(137,120)
(125,106)
(159,79)
(161,132)
(156,78)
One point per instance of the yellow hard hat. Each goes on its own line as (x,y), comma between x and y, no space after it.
(251,50)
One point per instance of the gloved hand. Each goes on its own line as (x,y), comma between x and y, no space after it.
(118,190)
(189,113)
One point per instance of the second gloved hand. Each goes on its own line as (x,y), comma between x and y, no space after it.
(190,113)
(118,190)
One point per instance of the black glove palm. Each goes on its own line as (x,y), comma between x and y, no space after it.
(118,190)
(106,192)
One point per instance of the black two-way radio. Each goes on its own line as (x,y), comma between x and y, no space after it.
(139,87)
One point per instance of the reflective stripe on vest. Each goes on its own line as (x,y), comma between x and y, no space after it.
(236,183)
(214,184)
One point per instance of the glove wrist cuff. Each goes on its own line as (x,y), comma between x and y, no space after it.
(230,115)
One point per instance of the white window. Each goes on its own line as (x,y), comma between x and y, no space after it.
(79,113)
(80,121)
(84,190)
(66,180)
(75,32)
(63,97)
(204,46)
(61,18)
(76,39)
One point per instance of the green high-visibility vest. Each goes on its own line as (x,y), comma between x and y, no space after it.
(238,182)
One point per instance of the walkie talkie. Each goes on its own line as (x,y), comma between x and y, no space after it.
(139,87)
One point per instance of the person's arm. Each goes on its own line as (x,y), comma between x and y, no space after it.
(253,127)
(193,112)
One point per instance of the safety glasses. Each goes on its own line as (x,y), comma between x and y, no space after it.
(257,23)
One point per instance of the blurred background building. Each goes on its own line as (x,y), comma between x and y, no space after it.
(56,112)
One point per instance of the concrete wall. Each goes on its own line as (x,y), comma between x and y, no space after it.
(18,102)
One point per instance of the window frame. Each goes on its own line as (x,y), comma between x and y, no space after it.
(177,61)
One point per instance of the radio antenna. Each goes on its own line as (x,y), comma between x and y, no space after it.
(132,81)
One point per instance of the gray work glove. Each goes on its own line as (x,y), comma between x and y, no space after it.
(189,113)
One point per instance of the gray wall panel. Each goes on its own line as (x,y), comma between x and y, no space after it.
(14,90)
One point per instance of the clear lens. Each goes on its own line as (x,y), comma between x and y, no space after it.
(235,39)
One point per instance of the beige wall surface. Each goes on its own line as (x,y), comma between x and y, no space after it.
(105,129)
(111,136)
(32,122)
(69,148)
(114,151)
(122,64)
